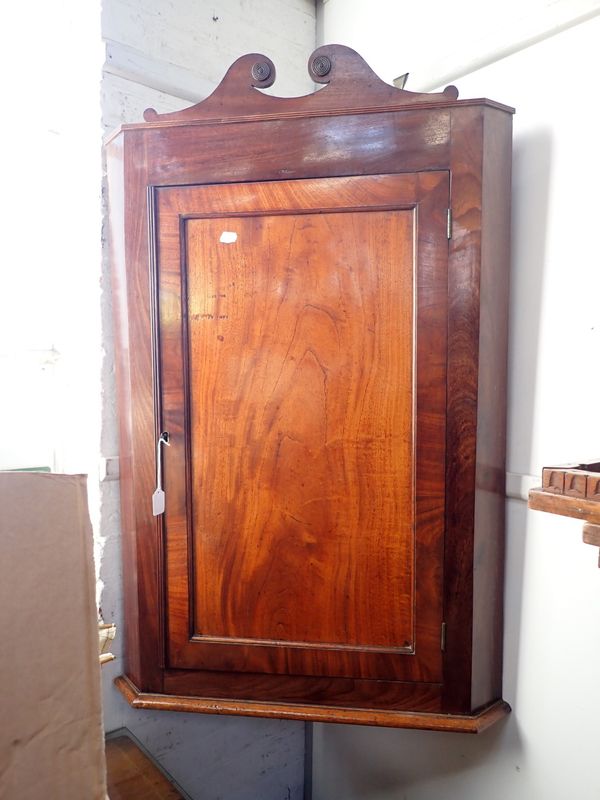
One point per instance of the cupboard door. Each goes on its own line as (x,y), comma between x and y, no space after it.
(301,347)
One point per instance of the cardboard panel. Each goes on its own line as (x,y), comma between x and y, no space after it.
(51,743)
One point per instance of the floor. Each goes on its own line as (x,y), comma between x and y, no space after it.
(132,775)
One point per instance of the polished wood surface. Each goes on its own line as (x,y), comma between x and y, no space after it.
(346,75)
(298,480)
(264,687)
(465,723)
(302,427)
(172,182)
(489,338)
(131,775)
(141,533)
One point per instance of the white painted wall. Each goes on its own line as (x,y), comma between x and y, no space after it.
(164,54)
(49,331)
(547,749)
(437,41)
(184,47)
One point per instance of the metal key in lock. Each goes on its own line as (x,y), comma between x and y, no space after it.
(158,498)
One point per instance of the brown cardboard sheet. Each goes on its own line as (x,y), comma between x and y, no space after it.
(51,743)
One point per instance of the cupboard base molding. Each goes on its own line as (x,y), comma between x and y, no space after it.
(457,723)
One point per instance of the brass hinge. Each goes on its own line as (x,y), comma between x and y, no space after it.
(449,224)
(443,637)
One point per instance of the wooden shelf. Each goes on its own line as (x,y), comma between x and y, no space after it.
(572,490)
(457,723)
(588,510)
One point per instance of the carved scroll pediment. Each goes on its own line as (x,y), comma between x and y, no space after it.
(350,84)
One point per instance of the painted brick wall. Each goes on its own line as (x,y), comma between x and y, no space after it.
(166,54)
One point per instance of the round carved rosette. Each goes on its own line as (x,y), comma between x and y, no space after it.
(261,71)
(320,66)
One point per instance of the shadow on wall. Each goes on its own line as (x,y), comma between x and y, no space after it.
(399,761)
(385,764)
(532,160)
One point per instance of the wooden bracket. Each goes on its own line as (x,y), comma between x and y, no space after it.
(591,535)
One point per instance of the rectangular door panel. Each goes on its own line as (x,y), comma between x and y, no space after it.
(300,342)
(301,334)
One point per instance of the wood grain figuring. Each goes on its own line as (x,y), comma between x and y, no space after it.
(348,302)
(339,692)
(116,168)
(463,363)
(299,148)
(138,442)
(301,351)
(466,723)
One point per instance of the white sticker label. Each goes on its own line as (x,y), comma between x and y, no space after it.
(228,237)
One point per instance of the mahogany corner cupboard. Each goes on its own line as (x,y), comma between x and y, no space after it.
(311,309)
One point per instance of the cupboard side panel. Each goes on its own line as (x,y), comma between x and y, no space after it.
(140,532)
(463,357)
(488,577)
(116,234)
